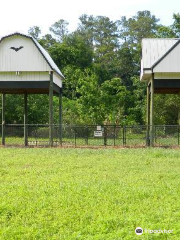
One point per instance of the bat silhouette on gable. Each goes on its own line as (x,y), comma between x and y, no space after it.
(16,49)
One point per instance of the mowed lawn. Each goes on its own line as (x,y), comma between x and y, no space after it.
(89,194)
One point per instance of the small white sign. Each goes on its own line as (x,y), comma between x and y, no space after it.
(98,133)
(99,128)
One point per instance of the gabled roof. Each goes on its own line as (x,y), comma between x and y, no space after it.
(157,62)
(44,53)
(154,52)
(155,49)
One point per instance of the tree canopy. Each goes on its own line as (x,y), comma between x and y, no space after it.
(101,64)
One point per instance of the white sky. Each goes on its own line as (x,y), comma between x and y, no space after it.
(20,15)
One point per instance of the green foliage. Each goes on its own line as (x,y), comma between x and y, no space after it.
(101,33)
(165,32)
(176,24)
(34,31)
(59,29)
(38,109)
(47,41)
(142,25)
(169,111)
(73,51)
(114,97)
(101,64)
(89,98)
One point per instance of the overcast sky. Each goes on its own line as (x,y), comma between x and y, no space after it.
(20,15)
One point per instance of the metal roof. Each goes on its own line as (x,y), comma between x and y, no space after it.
(44,53)
(153,49)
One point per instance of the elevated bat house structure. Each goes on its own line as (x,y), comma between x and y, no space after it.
(27,68)
(160,70)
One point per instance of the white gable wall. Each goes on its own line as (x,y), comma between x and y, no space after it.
(57,80)
(28,61)
(30,76)
(24,76)
(28,58)
(167,75)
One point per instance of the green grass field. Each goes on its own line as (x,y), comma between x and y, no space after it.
(86,194)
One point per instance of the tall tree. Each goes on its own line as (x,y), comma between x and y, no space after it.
(176,24)
(133,30)
(86,28)
(59,29)
(101,33)
(114,96)
(165,32)
(47,41)
(142,25)
(35,32)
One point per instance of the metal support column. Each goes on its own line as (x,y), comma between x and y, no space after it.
(60,116)
(3,118)
(152,113)
(25,120)
(51,110)
(148,115)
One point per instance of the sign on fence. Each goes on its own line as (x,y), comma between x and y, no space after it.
(98,133)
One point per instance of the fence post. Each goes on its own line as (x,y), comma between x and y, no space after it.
(147,136)
(114,135)
(123,135)
(155,134)
(36,138)
(75,136)
(87,132)
(105,136)
(3,118)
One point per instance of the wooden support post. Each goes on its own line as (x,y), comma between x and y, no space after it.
(148,115)
(3,118)
(152,113)
(51,110)
(25,120)
(60,116)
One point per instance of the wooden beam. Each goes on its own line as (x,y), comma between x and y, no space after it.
(3,118)
(51,120)
(25,120)
(167,90)
(152,113)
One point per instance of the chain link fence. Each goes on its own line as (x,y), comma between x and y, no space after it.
(88,136)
